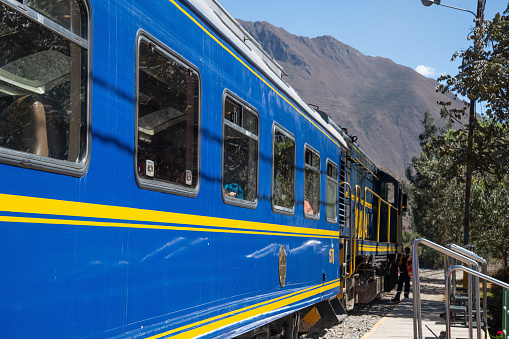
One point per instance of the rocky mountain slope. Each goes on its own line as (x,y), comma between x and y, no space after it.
(379,101)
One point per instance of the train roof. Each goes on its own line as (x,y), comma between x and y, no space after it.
(361,158)
(219,18)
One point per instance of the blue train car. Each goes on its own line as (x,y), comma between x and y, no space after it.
(160,179)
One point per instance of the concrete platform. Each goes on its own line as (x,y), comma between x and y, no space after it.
(399,322)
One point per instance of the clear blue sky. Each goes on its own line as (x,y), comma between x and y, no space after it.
(402,30)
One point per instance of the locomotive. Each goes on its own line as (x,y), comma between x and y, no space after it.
(161,179)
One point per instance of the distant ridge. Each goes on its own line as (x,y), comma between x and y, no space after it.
(379,101)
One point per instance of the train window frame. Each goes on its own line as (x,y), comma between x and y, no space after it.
(336,181)
(390,189)
(348,155)
(160,185)
(78,168)
(235,99)
(277,208)
(314,216)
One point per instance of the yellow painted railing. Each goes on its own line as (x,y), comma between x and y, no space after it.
(359,220)
(355,224)
(361,216)
(389,207)
(360,223)
(352,248)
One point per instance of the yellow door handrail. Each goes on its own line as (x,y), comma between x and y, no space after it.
(360,217)
(356,231)
(360,222)
(380,201)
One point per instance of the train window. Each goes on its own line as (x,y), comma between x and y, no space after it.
(283,171)
(66,13)
(390,192)
(240,152)
(44,86)
(168,115)
(332,192)
(311,183)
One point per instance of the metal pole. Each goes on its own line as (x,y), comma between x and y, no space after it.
(471,117)
(471,120)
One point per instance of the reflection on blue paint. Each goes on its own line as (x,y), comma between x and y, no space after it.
(165,246)
(315,244)
(270,249)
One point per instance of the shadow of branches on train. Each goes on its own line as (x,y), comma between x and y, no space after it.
(213,137)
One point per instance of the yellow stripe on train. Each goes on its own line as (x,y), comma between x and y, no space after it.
(23,204)
(209,325)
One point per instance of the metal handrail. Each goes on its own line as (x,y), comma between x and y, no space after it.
(352,228)
(484,267)
(358,210)
(364,219)
(355,231)
(380,200)
(417,291)
(505,314)
(358,220)
(447,306)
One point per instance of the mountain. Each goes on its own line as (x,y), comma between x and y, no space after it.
(377,100)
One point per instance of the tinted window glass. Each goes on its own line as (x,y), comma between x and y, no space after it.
(390,193)
(168,120)
(43,91)
(67,13)
(283,189)
(312,183)
(332,192)
(240,153)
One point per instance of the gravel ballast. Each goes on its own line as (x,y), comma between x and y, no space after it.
(363,317)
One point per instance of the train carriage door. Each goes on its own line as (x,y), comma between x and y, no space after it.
(389,210)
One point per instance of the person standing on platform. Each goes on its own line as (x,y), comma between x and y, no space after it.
(405,273)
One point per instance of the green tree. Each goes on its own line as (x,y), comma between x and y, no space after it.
(438,203)
(439,196)
(490,217)
(483,76)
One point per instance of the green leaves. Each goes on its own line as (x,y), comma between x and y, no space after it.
(437,197)
(490,217)
(439,173)
(484,73)
(438,177)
